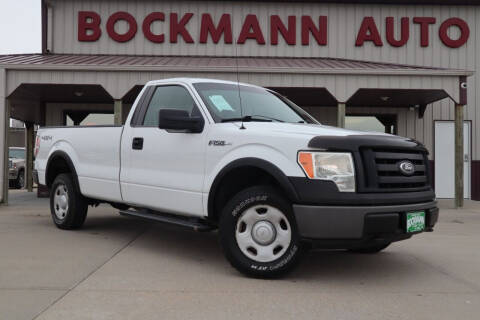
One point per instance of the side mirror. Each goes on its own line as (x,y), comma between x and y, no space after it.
(179,120)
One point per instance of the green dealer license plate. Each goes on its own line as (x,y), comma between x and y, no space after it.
(415,221)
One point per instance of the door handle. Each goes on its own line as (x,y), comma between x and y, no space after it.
(137,143)
(466,158)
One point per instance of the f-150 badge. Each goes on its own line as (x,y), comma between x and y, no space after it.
(218,143)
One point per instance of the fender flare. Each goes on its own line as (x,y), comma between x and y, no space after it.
(266,166)
(63,155)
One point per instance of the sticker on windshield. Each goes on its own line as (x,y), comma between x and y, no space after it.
(220,103)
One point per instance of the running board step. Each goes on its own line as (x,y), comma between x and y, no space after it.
(195,224)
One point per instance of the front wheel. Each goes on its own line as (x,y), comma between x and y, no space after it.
(259,234)
(20,181)
(68,207)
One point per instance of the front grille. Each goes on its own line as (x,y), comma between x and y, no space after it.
(384,175)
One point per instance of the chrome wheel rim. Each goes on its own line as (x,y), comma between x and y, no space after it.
(60,201)
(263,233)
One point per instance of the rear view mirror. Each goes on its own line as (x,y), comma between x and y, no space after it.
(179,120)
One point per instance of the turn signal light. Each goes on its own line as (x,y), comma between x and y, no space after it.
(306,161)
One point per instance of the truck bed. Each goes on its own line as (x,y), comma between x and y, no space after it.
(95,153)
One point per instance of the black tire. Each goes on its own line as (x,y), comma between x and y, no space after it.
(20,181)
(229,220)
(75,213)
(371,249)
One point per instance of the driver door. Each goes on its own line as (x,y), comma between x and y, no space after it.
(163,169)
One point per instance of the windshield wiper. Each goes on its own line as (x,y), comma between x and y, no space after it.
(269,118)
(246,119)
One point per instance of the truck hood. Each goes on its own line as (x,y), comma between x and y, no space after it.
(330,138)
(309,130)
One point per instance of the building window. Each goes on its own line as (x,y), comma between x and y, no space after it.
(377,123)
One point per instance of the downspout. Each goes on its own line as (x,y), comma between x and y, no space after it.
(44,11)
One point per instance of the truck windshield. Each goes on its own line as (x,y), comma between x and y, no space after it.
(258,104)
(16,154)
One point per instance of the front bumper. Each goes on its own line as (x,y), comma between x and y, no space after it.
(12,174)
(360,222)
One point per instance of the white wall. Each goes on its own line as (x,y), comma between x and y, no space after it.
(344,23)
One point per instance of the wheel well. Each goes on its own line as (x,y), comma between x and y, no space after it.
(236,180)
(56,166)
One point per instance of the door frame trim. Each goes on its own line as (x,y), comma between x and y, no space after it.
(471,147)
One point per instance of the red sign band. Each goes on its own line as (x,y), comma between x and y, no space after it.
(312,28)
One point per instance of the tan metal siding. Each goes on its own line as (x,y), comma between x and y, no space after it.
(344,23)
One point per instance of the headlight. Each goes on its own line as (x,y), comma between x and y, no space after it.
(333,166)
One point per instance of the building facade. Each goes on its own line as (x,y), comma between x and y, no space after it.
(407,64)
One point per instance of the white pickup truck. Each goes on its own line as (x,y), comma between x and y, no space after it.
(211,154)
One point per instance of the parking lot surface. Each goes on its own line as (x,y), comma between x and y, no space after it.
(120,268)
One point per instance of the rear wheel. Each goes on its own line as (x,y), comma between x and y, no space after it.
(20,182)
(371,249)
(68,207)
(258,233)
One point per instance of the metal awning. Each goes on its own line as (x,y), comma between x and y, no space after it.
(219,64)
(118,74)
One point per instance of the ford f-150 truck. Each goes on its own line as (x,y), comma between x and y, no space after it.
(210,154)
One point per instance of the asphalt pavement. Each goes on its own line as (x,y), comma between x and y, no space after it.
(121,268)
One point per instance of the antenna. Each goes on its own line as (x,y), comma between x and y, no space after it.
(238,84)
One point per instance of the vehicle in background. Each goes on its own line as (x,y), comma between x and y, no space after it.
(210,154)
(16,167)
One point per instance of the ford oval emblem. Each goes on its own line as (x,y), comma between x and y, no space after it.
(407,168)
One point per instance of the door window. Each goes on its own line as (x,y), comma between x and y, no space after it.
(168,97)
